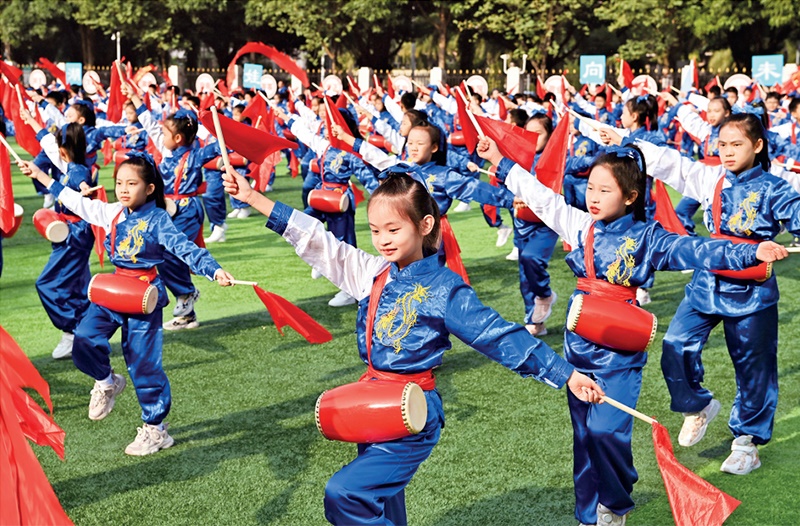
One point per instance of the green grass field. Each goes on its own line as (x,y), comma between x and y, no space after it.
(247,450)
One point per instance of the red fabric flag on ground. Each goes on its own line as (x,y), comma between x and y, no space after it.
(285,313)
(540,90)
(6,192)
(26,496)
(694,501)
(665,212)
(245,140)
(467,127)
(25,135)
(627,74)
(515,143)
(502,112)
(282,60)
(54,70)
(99,232)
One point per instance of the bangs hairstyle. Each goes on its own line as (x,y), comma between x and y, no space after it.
(89,117)
(440,155)
(629,178)
(73,142)
(726,105)
(546,122)
(185,126)
(413,201)
(645,110)
(753,129)
(150,175)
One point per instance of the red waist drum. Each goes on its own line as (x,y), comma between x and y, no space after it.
(612,323)
(50,225)
(124,293)
(18,211)
(760,273)
(371,411)
(331,201)
(457,138)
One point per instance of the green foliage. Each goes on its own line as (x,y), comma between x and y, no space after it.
(23,20)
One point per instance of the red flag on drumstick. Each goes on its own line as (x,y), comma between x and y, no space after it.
(627,73)
(665,212)
(540,90)
(116,99)
(552,163)
(98,231)
(467,127)
(693,500)
(255,145)
(25,135)
(26,496)
(108,151)
(502,112)
(332,116)
(285,313)
(6,190)
(54,70)
(389,86)
(515,143)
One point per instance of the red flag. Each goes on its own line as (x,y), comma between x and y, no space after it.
(552,163)
(285,313)
(389,86)
(282,60)
(223,88)
(263,172)
(25,135)
(13,73)
(563,89)
(341,102)
(695,75)
(294,165)
(358,193)
(245,140)
(627,74)
(54,70)
(116,99)
(515,143)
(608,97)
(502,111)
(108,152)
(713,82)
(332,114)
(354,89)
(99,232)
(152,150)
(470,133)
(694,501)
(665,212)
(6,192)
(540,91)
(207,101)
(257,108)
(452,252)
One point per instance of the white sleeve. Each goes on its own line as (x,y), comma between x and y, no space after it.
(699,101)
(376,157)
(569,222)
(784,130)
(350,269)
(393,108)
(92,211)
(693,124)
(588,127)
(154,132)
(583,104)
(304,134)
(51,113)
(390,134)
(690,178)
(305,112)
(50,148)
(448,104)
(791,177)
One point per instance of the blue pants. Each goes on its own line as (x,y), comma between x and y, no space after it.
(685,211)
(603,468)
(371,488)
(176,274)
(63,283)
(141,348)
(753,346)
(214,198)
(575,191)
(343,225)
(535,251)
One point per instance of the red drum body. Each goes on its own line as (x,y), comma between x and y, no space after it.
(526,214)
(124,294)
(371,411)
(50,225)
(18,211)
(376,140)
(314,165)
(612,323)
(457,138)
(330,201)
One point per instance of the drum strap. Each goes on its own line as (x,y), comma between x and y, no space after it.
(68,218)
(144,274)
(601,287)
(425,380)
(179,173)
(716,214)
(114,231)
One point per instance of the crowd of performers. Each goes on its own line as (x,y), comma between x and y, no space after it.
(734,154)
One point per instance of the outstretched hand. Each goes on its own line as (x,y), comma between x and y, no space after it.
(609,136)
(487,149)
(584,388)
(769,251)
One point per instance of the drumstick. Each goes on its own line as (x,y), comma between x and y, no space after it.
(222,149)
(588,121)
(318,87)
(258,121)
(676,90)
(240,282)
(793,250)
(8,147)
(615,90)
(487,172)
(267,100)
(137,132)
(631,411)
(94,188)
(470,115)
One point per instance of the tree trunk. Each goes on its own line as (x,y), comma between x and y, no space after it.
(441,28)
(87,48)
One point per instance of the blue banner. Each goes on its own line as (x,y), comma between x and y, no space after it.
(251,77)
(767,69)
(593,69)
(74,71)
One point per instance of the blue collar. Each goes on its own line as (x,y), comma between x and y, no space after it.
(423,266)
(144,209)
(622,224)
(747,175)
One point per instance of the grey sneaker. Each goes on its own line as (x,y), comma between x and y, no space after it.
(606,517)
(743,458)
(179,323)
(149,440)
(543,308)
(695,424)
(184,305)
(102,401)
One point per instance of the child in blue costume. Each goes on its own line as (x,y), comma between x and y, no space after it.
(404,220)
(141,233)
(182,169)
(615,249)
(741,200)
(63,282)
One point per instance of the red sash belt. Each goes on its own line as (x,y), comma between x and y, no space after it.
(425,380)
(144,274)
(200,190)
(604,289)
(335,187)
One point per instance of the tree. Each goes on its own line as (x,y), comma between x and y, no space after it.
(24,21)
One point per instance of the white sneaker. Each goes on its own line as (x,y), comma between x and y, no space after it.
(179,323)
(149,440)
(462,207)
(244,213)
(643,297)
(64,347)
(102,401)
(503,233)
(234,213)
(341,299)
(743,458)
(695,424)
(543,308)
(536,329)
(49,201)
(315,274)
(268,188)
(514,255)
(217,234)
(606,517)
(184,304)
